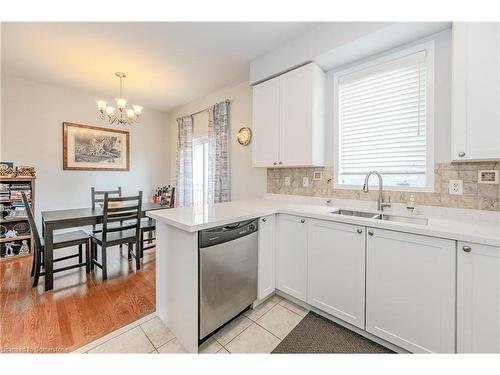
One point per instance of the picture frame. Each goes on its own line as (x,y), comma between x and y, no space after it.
(92,148)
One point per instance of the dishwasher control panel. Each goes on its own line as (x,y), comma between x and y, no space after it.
(229,232)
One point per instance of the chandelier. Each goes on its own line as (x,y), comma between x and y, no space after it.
(121,114)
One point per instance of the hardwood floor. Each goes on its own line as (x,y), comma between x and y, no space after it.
(80,309)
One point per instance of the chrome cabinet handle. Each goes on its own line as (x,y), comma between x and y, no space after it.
(264,219)
(467,249)
(359,231)
(302,221)
(461,154)
(370,232)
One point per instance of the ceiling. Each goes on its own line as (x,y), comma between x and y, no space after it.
(167,63)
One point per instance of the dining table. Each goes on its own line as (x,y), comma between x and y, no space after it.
(73,218)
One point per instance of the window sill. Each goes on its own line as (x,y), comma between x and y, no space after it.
(407,189)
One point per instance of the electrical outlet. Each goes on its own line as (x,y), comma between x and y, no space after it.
(305,181)
(287,181)
(456,187)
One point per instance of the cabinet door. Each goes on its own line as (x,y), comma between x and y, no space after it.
(410,290)
(476,91)
(336,269)
(266,120)
(301,117)
(291,257)
(267,243)
(478,299)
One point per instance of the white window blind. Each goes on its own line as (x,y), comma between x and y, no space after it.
(382,123)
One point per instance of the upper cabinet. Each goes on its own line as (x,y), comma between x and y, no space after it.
(288,119)
(476,91)
(266,120)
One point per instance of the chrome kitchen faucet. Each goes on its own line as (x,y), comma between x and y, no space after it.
(380,202)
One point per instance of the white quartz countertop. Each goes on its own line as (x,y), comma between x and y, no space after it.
(447,225)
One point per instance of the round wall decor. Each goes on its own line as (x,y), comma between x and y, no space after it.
(244,136)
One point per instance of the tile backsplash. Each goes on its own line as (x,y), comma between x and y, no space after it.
(475,195)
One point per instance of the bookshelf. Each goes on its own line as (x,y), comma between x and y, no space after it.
(11,201)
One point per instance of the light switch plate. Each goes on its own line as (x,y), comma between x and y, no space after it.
(287,181)
(456,187)
(305,181)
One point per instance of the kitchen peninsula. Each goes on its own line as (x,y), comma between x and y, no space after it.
(300,230)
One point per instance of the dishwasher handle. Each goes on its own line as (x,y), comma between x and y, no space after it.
(215,236)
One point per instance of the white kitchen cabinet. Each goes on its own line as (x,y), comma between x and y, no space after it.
(476,91)
(288,119)
(410,290)
(266,123)
(336,270)
(291,256)
(267,245)
(302,117)
(478,298)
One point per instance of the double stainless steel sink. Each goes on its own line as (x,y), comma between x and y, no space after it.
(383,216)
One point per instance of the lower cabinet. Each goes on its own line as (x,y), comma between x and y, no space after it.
(336,270)
(410,290)
(267,245)
(291,256)
(478,298)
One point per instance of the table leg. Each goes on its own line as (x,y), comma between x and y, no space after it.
(49,258)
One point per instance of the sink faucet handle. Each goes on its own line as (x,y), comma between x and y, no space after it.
(385,203)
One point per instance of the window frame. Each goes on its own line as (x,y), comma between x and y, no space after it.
(202,141)
(373,64)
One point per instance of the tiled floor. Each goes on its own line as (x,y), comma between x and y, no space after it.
(256,331)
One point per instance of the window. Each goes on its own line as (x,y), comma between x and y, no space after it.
(200,170)
(383,121)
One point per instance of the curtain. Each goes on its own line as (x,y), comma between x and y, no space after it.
(218,153)
(184,170)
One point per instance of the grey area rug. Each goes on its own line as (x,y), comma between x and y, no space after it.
(315,334)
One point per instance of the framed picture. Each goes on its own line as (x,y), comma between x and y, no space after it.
(90,148)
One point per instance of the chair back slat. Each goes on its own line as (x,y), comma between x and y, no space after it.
(98,195)
(120,199)
(31,220)
(121,218)
(122,208)
(131,213)
(121,228)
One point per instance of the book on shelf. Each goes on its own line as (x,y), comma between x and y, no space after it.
(17,195)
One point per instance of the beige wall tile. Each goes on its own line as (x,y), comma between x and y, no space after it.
(480,196)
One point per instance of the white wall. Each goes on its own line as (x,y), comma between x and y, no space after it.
(332,44)
(246,182)
(32,134)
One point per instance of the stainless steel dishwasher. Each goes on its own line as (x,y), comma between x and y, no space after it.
(227,273)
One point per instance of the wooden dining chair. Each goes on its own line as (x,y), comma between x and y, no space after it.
(78,238)
(97,196)
(148,226)
(121,225)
